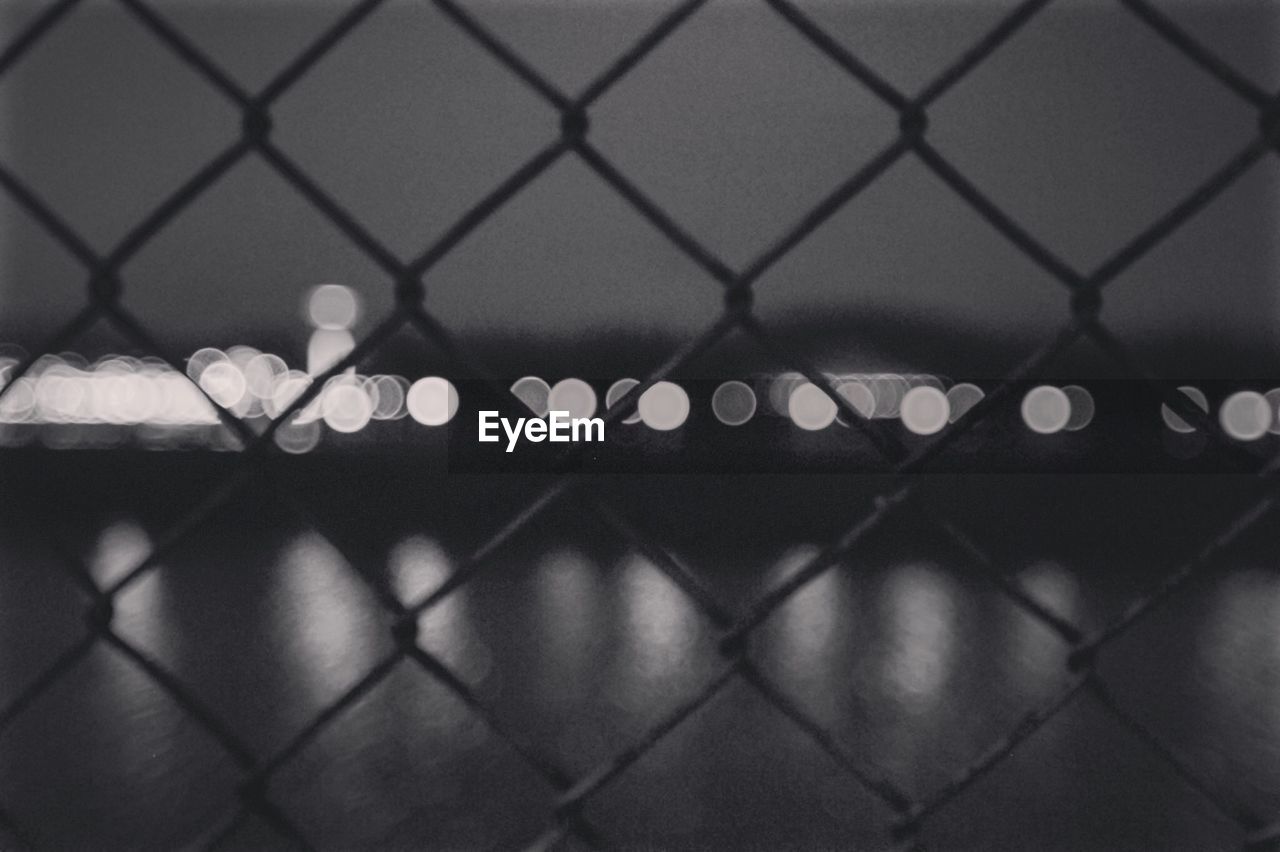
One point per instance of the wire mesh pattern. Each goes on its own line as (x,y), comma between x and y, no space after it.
(1084,292)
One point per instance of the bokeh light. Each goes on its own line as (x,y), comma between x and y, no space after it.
(224,383)
(1272,397)
(534,392)
(332,306)
(810,408)
(60,393)
(199,361)
(158,400)
(962,397)
(261,372)
(288,388)
(139,400)
(298,438)
(1176,423)
(780,390)
(110,388)
(1245,415)
(432,401)
(889,389)
(19,401)
(388,394)
(617,391)
(664,406)
(327,347)
(857,394)
(916,380)
(925,410)
(346,406)
(1046,409)
(181,401)
(241,355)
(574,396)
(1082,407)
(733,403)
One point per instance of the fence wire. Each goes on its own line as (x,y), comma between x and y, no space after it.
(1084,295)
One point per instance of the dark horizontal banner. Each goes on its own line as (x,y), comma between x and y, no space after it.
(766,423)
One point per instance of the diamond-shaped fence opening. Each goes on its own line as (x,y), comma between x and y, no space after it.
(378,715)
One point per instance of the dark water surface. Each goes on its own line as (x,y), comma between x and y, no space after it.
(569,635)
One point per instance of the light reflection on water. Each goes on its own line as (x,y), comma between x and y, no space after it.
(1243,625)
(812,631)
(857,636)
(660,626)
(568,617)
(915,635)
(118,550)
(138,741)
(661,622)
(810,619)
(141,610)
(884,649)
(1055,586)
(1035,649)
(419,566)
(1237,664)
(911,612)
(918,608)
(328,627)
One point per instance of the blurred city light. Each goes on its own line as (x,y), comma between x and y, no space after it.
(780,389)
(534,392)
(733,403)
(1082,407)
(333,307)
(664,406)
(1273,402)
(574,396)
(810,407)
(166,409)
(1046,409)
(1176,423)
(432,401)
(346,407)
(388,394)
(962,397)
(617,391)
(857,394)
(925,410)
(1245,415)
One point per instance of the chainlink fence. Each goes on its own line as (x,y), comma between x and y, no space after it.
(1084,317)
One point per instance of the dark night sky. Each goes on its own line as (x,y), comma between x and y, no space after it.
(1085,127)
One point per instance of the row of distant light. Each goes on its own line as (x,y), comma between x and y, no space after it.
(920,402)
(1245,415)
(129,391)
(125,391)
(249,383)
